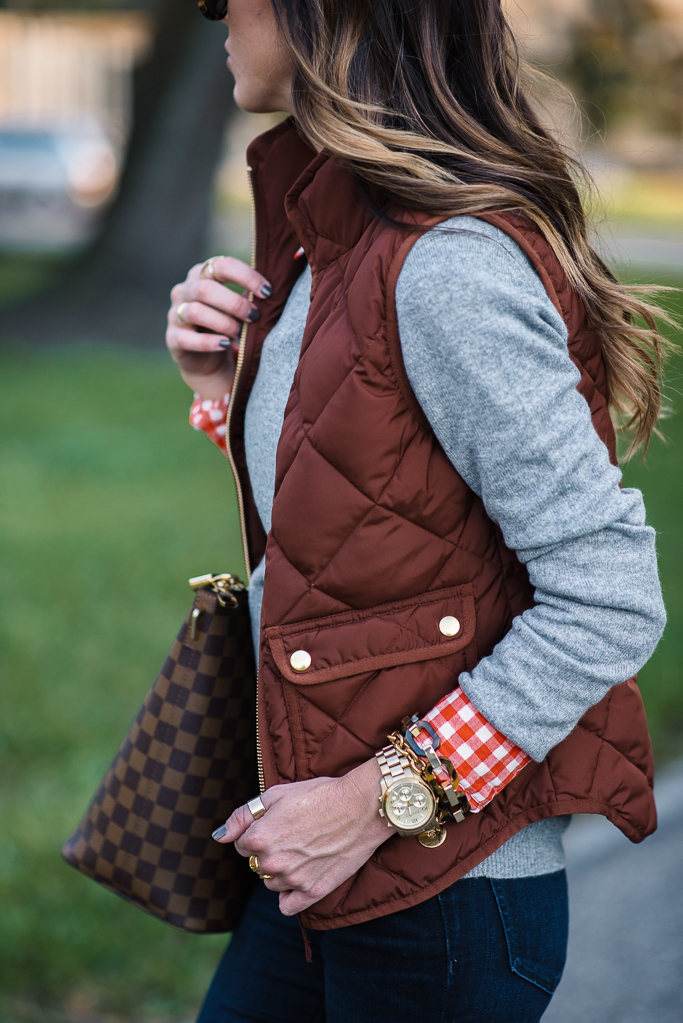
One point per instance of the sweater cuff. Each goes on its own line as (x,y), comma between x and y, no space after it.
(209,417)
(484,759)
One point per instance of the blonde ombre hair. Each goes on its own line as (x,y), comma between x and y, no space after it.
(424,101)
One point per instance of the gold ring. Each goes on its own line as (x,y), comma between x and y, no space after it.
(256,867)
(179,314)
(256,807)
(207,269)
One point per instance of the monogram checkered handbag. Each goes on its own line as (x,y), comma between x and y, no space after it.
(187,761)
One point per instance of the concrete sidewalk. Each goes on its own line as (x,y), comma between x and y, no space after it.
(625,960)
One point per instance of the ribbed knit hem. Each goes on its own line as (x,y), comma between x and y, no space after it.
(536,849)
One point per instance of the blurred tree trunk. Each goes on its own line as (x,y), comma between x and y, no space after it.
(158,225)
(624,64)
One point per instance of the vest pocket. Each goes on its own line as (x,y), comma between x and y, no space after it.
(430,626)
(339,684)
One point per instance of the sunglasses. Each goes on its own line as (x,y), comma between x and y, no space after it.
(214,10)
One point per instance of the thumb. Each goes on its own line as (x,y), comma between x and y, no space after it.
(242,818)
(235,826)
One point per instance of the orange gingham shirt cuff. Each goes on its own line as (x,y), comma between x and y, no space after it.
(484,759)
(209,417)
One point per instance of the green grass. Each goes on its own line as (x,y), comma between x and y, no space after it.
(108,503)
(660,477)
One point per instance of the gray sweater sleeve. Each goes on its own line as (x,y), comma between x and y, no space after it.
(486,354)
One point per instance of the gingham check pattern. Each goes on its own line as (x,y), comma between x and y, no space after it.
(209,417)
(484,759)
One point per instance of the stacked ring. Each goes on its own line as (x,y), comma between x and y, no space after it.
(256,867)
(207,270)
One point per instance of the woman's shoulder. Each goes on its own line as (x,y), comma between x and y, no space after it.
(466,250)
(477,271)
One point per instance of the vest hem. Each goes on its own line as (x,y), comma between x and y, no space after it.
(555,809)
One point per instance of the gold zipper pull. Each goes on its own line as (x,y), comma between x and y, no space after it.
(194,618)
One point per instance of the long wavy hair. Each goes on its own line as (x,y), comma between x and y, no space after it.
(425,101)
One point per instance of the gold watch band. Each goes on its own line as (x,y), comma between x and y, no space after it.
(392,764)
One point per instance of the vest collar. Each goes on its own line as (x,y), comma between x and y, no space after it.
(312,194)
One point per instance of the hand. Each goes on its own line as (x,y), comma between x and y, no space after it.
(314,835)
(206,360)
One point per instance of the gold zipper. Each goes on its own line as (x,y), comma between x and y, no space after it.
(238,370)
(259,752)
(228,417)
(238,486)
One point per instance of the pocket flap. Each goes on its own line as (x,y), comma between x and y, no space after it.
(352,642)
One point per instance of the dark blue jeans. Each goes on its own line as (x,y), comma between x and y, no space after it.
(483,951)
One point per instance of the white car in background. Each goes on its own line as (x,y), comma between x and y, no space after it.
(54,181)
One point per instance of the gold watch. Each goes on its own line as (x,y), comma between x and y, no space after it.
(407,802)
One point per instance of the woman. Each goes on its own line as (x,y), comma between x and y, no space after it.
(419,427)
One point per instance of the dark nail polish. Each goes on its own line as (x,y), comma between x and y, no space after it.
(220,832)
(224,343)
(254,315)
(265,291)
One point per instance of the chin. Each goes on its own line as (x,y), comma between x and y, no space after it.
(251,103)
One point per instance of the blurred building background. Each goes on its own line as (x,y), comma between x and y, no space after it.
(65,114)
(121,164)
(69,81)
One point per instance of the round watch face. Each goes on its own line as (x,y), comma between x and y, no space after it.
(409,805)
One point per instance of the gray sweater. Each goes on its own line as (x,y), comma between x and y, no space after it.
(486,354)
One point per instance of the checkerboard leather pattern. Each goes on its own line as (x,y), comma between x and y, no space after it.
(188,760)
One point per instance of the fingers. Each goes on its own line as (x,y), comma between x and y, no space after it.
(275,884)
(293,902)
(283,880)
(182,337)
(210,315)
(236,825)
(185,339)
(242,819)
(213,315)
(195,313)
(202,318)
(220,298)
(227,269)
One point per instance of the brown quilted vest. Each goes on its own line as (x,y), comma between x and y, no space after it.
(375,537)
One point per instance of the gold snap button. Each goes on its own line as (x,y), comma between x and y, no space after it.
(449,626)
(300,660)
